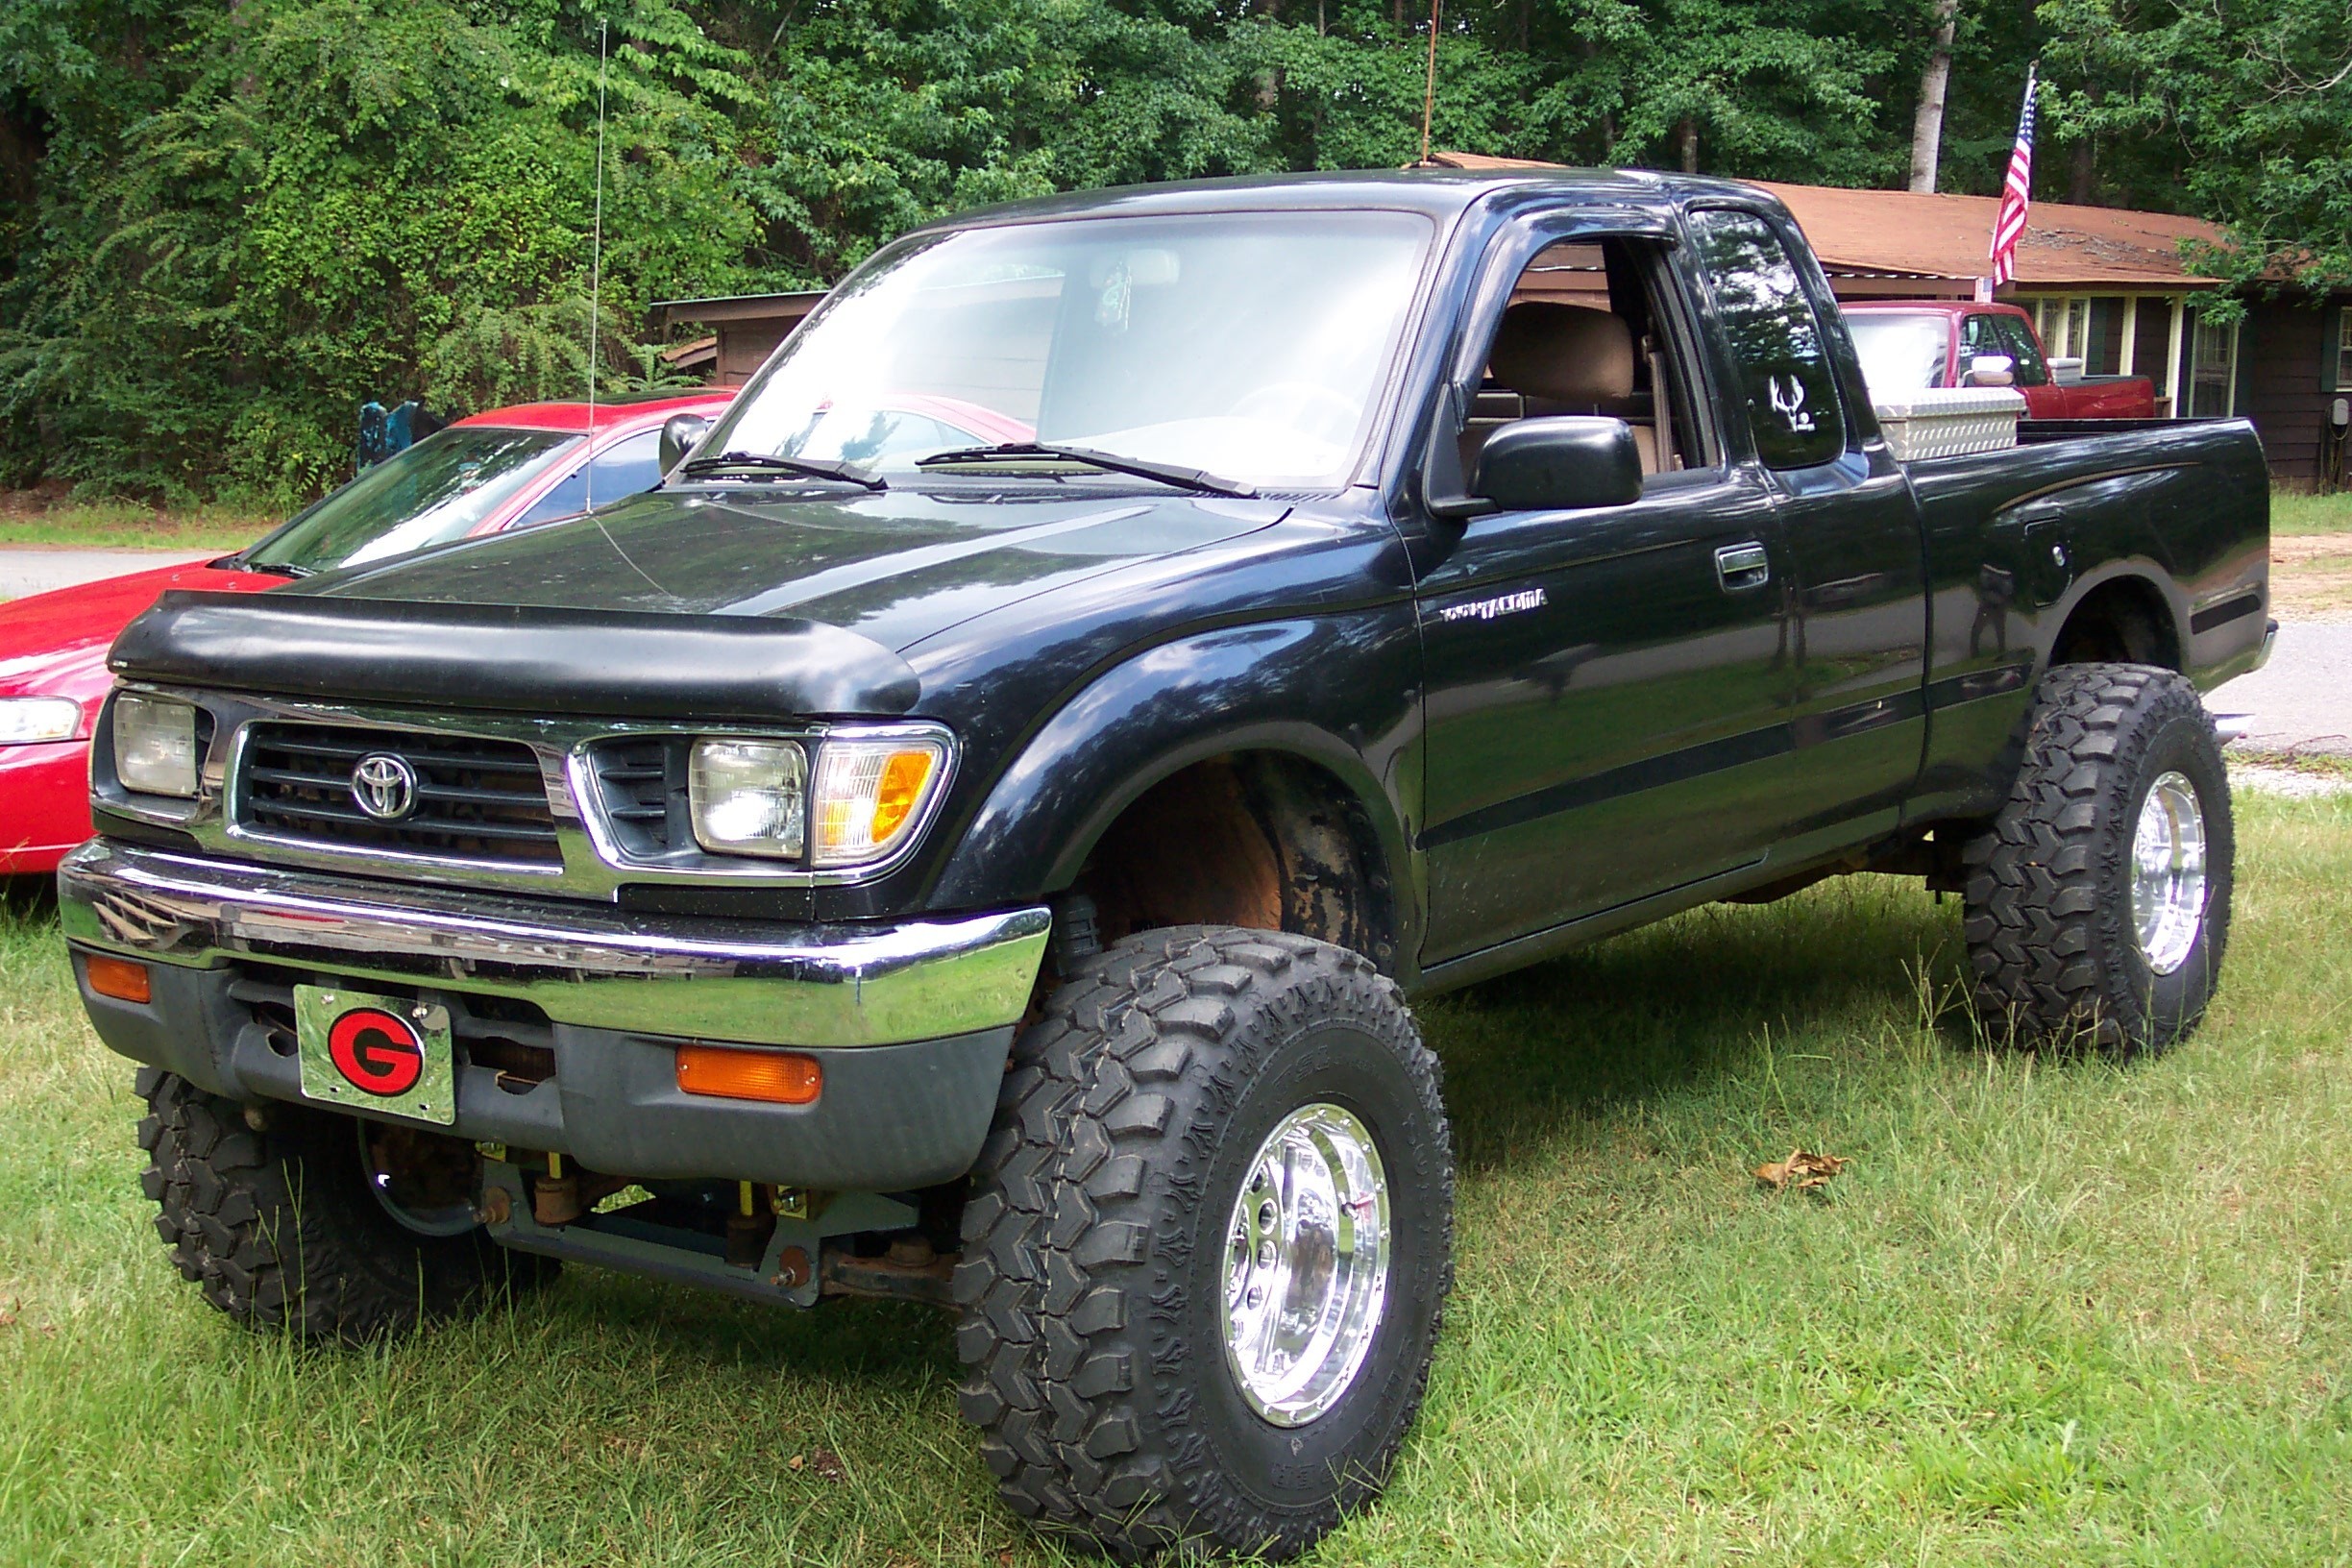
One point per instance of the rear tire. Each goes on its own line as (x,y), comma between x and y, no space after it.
(2098,902)
(1128,1389)
(281,1228)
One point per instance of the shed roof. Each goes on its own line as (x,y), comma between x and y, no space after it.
(1906,233)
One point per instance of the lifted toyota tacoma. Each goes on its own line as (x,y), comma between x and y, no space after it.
(995,871)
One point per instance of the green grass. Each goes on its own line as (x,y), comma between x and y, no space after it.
(2055,1311)
(129,526)
(2295,512)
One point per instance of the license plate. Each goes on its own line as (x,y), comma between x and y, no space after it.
(384,1053)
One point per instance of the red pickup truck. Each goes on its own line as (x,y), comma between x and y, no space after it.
(1909,345)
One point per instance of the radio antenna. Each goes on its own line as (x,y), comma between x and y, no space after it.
(596,271)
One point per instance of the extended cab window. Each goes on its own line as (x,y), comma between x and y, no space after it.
(1776,342)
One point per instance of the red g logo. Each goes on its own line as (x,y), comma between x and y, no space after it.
(378,1051)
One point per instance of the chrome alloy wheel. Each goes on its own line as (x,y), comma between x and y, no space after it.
(1305,1264)
(2168,872)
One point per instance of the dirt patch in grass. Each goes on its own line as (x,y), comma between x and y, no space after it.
(2311,576)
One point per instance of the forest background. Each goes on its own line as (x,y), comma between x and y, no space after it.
(225,223)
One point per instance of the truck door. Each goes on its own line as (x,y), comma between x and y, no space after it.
(1856,590)
(1598,680)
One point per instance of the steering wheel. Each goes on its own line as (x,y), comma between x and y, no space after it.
(1305,408)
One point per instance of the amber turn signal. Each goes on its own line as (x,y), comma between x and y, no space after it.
(775,1076)
(120,978)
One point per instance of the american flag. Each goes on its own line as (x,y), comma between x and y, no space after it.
(2017,193)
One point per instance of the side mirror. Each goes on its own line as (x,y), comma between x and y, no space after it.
(1990,370)
(1560,462)
(679,434)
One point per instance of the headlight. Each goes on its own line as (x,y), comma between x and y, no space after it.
(26,719)
(155,746)
(749,798)
(868,794)
(854,805)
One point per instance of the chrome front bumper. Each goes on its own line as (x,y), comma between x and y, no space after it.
(586,965)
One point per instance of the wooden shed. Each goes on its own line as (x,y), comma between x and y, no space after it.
(746,330)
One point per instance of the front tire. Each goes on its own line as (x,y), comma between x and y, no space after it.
(1207,1123)
(2098,902)
(282,1226)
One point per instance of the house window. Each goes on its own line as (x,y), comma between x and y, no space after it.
(2075,331)
(2343,350)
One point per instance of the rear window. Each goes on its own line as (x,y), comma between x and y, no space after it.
(1901,351)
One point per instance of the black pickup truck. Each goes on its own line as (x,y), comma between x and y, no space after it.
(971,833)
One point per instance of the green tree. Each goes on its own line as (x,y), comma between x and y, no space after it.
(2242,108)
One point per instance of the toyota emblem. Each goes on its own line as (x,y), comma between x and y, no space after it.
(384,786)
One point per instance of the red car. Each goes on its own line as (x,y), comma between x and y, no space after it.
(1909,345)
(508,468)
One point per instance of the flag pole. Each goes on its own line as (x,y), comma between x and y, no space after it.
(2017,195)
(1428,98)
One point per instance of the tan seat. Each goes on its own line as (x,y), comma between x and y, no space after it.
(1570,354)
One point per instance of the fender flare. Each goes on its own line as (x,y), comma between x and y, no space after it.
(2140,573)
(1264,687)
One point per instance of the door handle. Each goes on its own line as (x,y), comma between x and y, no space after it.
(1741,567)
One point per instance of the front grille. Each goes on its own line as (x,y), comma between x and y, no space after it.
(644,787)
(475,799)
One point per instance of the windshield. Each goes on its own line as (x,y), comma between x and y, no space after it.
(1250,346)
(440,489)
(1900,352)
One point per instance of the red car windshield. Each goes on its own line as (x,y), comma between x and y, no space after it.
(440,489)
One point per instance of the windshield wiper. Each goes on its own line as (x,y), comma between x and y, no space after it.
(1190,479)
(762,462)
(277,568)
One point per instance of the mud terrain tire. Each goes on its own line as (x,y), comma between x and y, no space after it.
(280,1228)
(2055,946)
(1094,1275)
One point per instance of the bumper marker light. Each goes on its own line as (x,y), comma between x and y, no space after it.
(120,978)
(778,1077)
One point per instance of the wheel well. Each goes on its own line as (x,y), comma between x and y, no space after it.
(2123,622)
(1252,839)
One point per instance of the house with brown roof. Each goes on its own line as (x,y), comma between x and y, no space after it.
(2106,284)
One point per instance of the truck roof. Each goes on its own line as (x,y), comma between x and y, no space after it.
(1438,192)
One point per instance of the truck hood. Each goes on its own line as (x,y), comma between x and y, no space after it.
(895,568)
(667,605)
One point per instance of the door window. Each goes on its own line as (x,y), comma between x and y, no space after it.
(2018,343)
(1587,332)
(621,469)
(1784,371)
